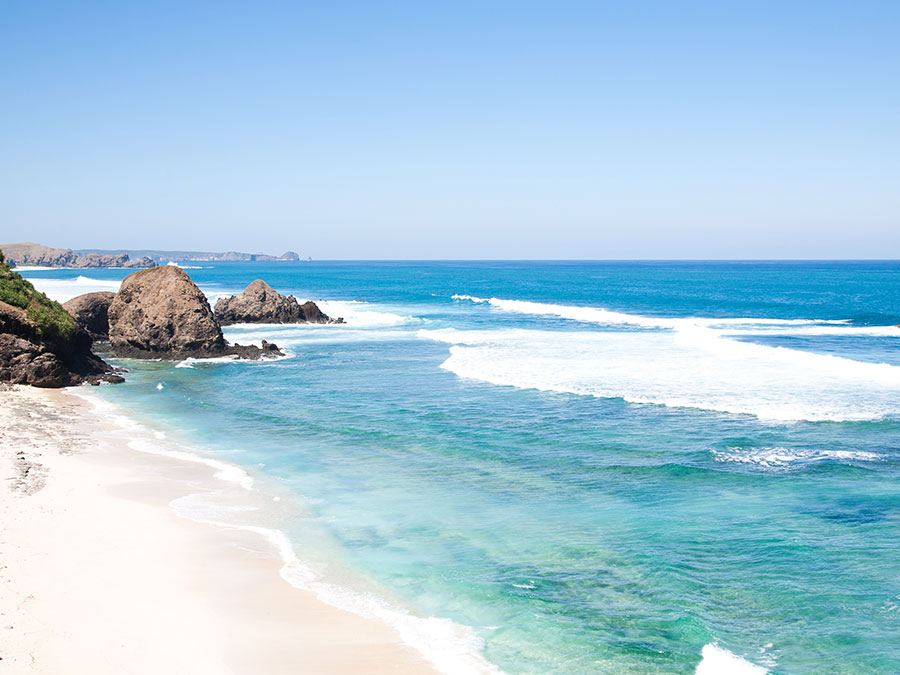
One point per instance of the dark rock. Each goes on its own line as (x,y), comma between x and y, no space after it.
(312,314)
(260,303)
(90,312)
(27,357)
(160,313)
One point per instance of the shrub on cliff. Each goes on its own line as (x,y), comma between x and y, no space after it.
(50,319)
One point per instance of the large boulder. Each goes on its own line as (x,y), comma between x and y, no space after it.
(90,312)
(260,303)
(161,311)
(40,344)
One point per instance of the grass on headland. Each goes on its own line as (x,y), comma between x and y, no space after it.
(51,320)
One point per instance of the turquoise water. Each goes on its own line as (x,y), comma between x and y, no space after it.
(597,467)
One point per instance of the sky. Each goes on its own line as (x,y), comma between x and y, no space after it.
(454,130)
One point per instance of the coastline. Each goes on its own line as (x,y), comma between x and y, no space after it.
(100,575)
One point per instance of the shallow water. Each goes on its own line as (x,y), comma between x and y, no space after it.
(585,467)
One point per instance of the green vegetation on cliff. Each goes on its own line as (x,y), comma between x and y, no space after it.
(50,319)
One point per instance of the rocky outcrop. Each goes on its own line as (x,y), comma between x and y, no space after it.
(40,344)
(140,263)
(98,260)
(260,303)
(28,253)
(160,313)
(90,312)
(312,314)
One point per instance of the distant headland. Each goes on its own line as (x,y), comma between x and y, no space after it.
(28,253)
(195,256)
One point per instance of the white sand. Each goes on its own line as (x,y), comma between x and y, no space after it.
(98,575)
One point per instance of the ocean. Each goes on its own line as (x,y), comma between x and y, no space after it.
(562,467)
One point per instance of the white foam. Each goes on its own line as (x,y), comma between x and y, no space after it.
(360,314)
(788,458)
(293,335)
(839,330)
(470,298)
(606,317)
(62,290)
(190,361)
(716,660)
(141,441)
(24,269)
(450,647)
(693,367)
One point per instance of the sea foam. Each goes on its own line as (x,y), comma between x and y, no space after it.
(691,367)
(780,458)
(690,362)
(716,660)
(358,314)
(62,290)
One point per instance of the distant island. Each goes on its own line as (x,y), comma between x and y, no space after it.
(194,256)
(29,253)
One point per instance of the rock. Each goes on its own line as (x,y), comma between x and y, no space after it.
(260,303)
(312,314)
(271,348)
(101,260)
(90,313)
(28,253)
(160,313)
(141,263)
(40,344)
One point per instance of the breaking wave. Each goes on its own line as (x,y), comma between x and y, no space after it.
(62,290)
(716,660)
(691,367)
(789,458)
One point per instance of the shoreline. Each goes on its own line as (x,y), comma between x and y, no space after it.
(101,574)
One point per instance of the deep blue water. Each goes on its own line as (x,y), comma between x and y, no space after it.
(628,462)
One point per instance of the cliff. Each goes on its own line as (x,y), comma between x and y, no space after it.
(40,344)
(197,256)
(28,253)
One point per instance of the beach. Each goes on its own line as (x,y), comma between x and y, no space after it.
(100,575)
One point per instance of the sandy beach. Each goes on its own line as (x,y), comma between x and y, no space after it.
(99,575)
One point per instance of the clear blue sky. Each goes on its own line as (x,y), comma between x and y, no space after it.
(454,129)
